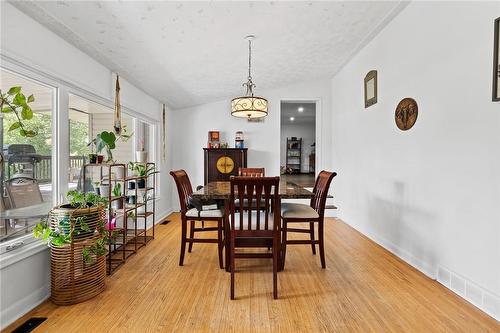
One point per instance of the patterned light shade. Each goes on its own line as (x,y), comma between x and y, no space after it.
(249,107)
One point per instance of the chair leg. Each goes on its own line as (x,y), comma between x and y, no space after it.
(275,270)
(191,235)
(311,228)
(283,245)
(227,245)
(321,243)
(220,243)
(183,241)
(232,268)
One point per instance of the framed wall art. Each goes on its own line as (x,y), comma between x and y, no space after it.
(496,62)
(370,88)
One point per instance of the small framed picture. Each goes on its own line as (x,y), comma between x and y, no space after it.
(370,88)
(496,62)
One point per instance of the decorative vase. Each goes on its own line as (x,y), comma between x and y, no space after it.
(118,204)
(104,190)
(141,183)
(141,156)
(119,173)
(131,199)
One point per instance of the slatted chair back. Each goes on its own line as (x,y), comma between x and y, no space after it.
(263,192)
(320,191)
(252,172)
(23,192)
(184,188)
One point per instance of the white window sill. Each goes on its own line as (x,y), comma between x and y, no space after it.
(31,247)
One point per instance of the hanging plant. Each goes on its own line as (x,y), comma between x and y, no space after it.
(14,101)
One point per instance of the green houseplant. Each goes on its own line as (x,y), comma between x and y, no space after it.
(15,102)
(117,192)
(77,235)
(81,218)
(106,141)
(142,170)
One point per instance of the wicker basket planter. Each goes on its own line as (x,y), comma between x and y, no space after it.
(72,279)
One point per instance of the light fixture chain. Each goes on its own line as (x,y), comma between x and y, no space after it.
(250,59)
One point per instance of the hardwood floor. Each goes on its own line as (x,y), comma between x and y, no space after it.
(363,289)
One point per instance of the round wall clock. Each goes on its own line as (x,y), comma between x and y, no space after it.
(225,164)
(406,113)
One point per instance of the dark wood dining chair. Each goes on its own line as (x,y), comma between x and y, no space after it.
(252,172)
(193,215)
(312,213)
(256,227)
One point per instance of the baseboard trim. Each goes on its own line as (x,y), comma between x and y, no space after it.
(406,256)
(481,298)
(164,215)
(23,306)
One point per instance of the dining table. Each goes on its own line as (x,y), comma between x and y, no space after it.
(221,190)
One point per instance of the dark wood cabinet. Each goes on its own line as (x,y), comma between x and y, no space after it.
(221,163)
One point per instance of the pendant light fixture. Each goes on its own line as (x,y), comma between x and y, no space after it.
(249,106)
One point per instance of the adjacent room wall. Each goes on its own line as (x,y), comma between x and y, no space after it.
(307,132)
(430,194)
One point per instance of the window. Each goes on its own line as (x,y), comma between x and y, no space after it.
(26,182)
(29,183)
(86,120)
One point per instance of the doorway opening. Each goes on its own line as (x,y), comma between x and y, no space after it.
(298,142)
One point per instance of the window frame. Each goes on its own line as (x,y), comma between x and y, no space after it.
(60,147)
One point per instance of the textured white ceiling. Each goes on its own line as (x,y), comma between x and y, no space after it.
(188,53)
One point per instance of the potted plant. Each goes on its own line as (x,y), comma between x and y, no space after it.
(142,170)
(92,158)
(77,219)
(141,155)
(77,237)
(117,192)
(106,141)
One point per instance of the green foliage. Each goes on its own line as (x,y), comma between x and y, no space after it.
(117,190)
(107,141)
(71,226)
(14,102)
(79,199)
(142,169)
(79,135)
(40,123)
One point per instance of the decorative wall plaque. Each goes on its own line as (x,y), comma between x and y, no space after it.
(406,113)
(370,88)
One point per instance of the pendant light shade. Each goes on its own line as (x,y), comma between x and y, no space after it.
(249,106)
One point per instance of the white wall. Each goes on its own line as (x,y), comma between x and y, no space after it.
(307,132)
(261,139)
(30,47)
(430,194)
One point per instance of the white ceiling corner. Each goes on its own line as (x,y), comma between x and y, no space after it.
(189,53)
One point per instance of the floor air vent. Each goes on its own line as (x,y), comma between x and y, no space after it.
(29,325)
(165,222)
